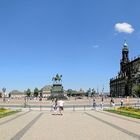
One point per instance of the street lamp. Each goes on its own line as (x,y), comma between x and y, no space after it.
(4,90)
(25,101)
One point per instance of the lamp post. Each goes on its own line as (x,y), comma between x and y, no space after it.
(25,102)
(4,90)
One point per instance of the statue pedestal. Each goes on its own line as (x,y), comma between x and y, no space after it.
(57,92)
(57,88)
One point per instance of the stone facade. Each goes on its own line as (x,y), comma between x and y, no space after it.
(128,76)
(46,90)
(17,94)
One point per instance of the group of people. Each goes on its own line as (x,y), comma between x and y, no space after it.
(112,103)
(95,105)
(58,106)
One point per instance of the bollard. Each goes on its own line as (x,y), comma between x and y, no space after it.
(24,105)
(40,107)
(29,107)
(51,108)
(73,108)
(84,108)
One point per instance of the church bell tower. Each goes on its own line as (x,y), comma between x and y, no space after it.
(125,57)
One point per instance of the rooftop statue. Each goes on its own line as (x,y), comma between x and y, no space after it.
(57,78)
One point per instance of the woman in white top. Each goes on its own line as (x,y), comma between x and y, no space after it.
(61,106)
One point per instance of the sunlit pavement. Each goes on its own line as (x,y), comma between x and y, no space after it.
(72,125)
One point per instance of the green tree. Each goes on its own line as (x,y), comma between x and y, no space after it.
(69,92)
(93,92)
(89,92)
(136,89)
(36,92)
(41,94)
(28,92)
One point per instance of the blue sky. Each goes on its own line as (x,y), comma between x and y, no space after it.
(80,39)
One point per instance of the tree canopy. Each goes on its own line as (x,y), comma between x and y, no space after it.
(136,90)
(28,92)
(36,92)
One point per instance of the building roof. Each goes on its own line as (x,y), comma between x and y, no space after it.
(46,88)
(16,92)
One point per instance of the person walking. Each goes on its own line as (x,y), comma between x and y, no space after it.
(102,103)
(121,102)
(55,106)
(94,103)
(61,106)
(112,103)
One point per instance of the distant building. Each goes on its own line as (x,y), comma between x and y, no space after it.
(17,94)
(0,94)
(46,90)
(128,76)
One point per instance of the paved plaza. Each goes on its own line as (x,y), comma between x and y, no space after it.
(72,101)
(72,125)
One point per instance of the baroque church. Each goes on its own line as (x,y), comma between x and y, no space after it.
(128,76)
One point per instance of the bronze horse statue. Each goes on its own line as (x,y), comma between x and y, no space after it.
(57,78)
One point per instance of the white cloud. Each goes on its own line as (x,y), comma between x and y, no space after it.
(124,27)
(95,46)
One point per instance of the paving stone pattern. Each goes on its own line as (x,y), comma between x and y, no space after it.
(72,125)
